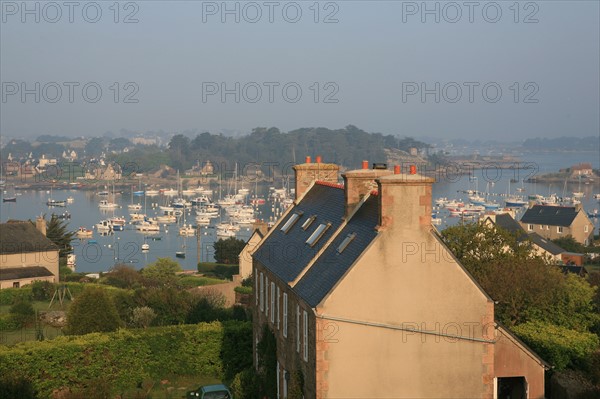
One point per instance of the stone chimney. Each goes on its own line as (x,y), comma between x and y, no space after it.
(308,172)
(360,182)
(40,224)
(405,200)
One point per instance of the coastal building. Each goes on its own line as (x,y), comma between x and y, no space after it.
(364,299)
(552,222)
(582,169)
(541,246)
(26,254)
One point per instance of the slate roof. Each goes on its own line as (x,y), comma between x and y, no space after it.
(22,237)
(17,273)
(546,244)
(286,255)
(550,215)
(331,265)
(506,222)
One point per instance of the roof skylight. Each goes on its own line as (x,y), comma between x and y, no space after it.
(318,233)
(346,242)
(308,222)
(290,222)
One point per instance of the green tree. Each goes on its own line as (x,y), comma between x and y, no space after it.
(569,244)
(22,312)
(57,231)
(92,311)
(476,244)
(228,251)
(162,271)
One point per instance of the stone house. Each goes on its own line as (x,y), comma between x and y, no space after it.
(552,222)
(26,254)
(364,299)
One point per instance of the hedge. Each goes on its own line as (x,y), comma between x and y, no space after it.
(125,358)
(559,346)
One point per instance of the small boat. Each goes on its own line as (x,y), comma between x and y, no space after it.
(138,193)
(597,196)
(134,207)
(70,200)
(104,225)
(53,202)
(145,247)
(187,230)
(180,254)
(9,199)
(169,192)
(103,193)
(84,232)
(515,202)
(137,216)
(64,215)
(577,194)
(105,204)
(150,193)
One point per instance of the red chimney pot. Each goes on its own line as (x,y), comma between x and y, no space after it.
(413,169)
(396,169)
(307,159)
(365,164)
(318,159)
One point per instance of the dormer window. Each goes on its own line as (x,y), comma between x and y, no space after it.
(317,234)
(290,222)
(346,242)
(308,222)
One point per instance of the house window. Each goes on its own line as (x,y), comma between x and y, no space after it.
(286,376)
(256,285)
(278,379)
(290,222)
(585,228)
(262,292)
(267,296)
(305,325)
(272,302)
(530,227)
(298,328)
(547,227)
(318,233)
(16,284)
(285,316)
(278,295)
(541,227)
(559,229)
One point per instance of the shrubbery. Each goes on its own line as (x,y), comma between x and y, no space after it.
(126,358)
(559,346)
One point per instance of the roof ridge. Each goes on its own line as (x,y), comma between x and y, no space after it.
(329,184)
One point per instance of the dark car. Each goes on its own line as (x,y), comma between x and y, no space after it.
(218,391)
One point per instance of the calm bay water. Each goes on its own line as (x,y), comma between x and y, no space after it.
(125,246)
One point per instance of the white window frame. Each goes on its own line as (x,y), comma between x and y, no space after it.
(285,315)
(585,228)
(278,317)
(285,385)
(298,328)
(262,291)
(305,334)
(256,293)
(278,379)
(272,302)
(267,296)
(559,229)
(529,227)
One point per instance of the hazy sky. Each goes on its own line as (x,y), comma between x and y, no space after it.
(501,70)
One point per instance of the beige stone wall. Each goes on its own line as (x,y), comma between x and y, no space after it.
(25,281)
(576,229)
(47,259)
(246,256)
(513,360)
(405,282)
